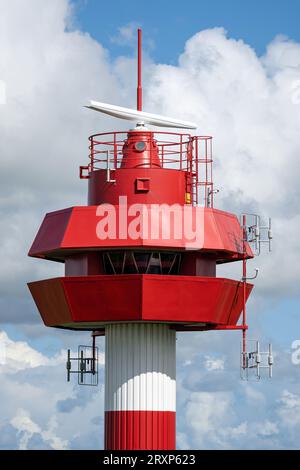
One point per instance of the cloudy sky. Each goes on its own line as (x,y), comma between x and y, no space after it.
(238,76)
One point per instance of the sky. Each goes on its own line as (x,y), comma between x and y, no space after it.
(232,67)
(167,29)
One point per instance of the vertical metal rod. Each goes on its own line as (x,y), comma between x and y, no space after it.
(257,239)
(180,164)
(69,365)
(94,355)
(139,72)
(206,170)
(81,367)
(244,291)
(257,362)
(211,175)
(151,147)
(92,153)
(115,151)
(269,234)
(107,167)
(197,171)
(270,361)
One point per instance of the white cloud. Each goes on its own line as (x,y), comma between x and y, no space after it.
(187,362)
(218,411)
(26,428)
(214,363)
(205,412)
(211,417)
(126,35)
(39,408)
(253,395)
(19,355)
(217,421)
(2,92)
(206,409)
(289,410)
(267,428)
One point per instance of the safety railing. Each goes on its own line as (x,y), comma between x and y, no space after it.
(192,154)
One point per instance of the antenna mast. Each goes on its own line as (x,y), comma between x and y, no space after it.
(139,72)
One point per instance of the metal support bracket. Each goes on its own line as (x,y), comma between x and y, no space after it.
(246,278)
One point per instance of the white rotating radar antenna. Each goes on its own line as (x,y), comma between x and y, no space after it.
(138,115)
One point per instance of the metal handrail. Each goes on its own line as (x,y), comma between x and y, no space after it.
(177,151)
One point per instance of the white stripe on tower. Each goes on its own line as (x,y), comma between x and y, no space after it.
(140,386)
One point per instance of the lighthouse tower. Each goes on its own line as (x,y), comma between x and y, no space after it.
(140,264)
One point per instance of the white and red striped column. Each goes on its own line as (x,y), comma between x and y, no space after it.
(140,386)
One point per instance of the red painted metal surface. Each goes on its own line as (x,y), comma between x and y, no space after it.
(70,301)
(140,430)
(165,187)
(52,231)
(134,157)
(71,229)
(169,150)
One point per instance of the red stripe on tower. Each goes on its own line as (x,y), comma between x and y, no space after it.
(140,430)
(140,387)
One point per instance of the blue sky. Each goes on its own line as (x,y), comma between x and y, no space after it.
(167,25)
(247,95)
